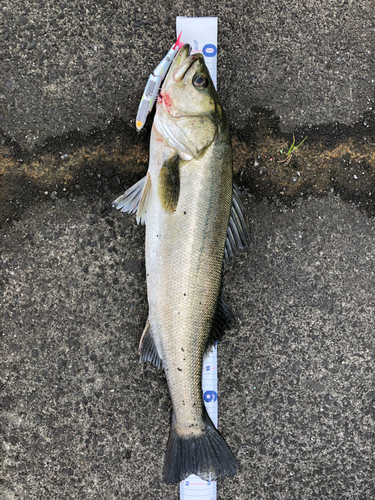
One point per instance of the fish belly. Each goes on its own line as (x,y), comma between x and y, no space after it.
(184,254)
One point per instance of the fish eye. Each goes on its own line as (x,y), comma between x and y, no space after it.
(200,81)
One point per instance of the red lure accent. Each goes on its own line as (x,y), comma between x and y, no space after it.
(178,43)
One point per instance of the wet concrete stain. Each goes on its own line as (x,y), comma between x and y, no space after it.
(101,164)
(332,157)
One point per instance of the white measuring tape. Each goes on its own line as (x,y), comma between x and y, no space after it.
(194,486)
(201,34)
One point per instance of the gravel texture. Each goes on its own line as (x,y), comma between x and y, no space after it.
(68,66)
(81,418)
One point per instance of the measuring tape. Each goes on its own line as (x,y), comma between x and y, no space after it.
(201,34)
(194,486)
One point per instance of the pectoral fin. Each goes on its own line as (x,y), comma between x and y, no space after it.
(169,184)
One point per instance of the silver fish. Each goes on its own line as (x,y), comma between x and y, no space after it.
(194,222)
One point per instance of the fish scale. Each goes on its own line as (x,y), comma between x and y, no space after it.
(181,259)
(193,220)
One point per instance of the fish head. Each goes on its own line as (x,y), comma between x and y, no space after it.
(189,115)
(189,85)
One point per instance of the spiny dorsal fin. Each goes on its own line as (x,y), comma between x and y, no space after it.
(147,348)
(169,184)
(237,239)
(237,235)
(135,199)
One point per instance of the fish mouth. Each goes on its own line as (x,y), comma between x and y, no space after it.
(181,65)
(179,60)
(184,65)
(181,56)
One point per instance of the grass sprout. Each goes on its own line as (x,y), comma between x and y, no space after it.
(291,150)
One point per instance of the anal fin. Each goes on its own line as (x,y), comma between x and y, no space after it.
(147,348)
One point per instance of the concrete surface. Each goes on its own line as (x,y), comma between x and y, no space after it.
(83,419)
(80,417)
(76,66)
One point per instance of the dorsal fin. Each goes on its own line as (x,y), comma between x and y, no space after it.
(237,239)
(222,321)
(237,235)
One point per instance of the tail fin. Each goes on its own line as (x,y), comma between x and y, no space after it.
(206,455)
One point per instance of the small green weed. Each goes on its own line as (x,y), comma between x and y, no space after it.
(291,150)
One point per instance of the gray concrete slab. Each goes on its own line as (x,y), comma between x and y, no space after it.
(81,418)
(77,66)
